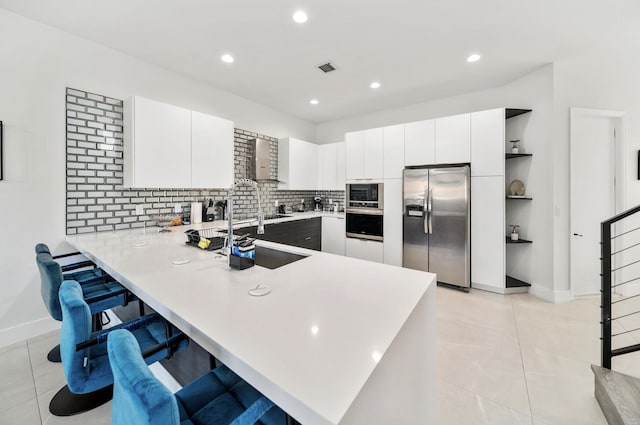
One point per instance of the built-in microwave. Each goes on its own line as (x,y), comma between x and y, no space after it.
(365,195)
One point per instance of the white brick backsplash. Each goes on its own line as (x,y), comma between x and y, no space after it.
(95,97)
(85,116)
(95,111)
(94,119)
(76,108)
(77,93)
(76,136)
(86,102)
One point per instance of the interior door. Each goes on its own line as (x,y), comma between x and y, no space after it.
(592,196)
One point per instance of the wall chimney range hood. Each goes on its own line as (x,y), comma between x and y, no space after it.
(262,165)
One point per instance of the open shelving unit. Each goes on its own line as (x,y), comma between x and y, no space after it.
(513,284)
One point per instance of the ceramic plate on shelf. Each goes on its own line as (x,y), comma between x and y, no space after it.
(516,188)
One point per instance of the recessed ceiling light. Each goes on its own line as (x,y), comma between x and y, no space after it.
(300,17)
(227,58)
(314,101)
(375,85)
(473,58)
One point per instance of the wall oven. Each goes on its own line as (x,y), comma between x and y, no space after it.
(364,212)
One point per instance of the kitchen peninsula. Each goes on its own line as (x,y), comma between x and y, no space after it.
(337,341)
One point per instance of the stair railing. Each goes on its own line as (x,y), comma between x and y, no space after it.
(609,286)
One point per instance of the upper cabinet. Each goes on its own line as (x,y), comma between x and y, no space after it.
(157,144)
(372,158)
(453,139)
(331,166)
(487,142)
(393,139)
(211,142)
(364,154)
(297,164)
(420,142)
(341,166)
(166,146)
(354,147)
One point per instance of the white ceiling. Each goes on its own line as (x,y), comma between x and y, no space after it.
(415,48)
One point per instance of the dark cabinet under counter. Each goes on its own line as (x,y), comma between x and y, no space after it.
(304,233)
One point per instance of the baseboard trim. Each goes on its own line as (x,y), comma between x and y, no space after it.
(27,331)
(553,296)
(488,288)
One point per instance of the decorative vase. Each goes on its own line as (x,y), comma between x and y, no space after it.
(514,232)
(514,146)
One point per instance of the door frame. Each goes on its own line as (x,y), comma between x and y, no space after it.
(619,166)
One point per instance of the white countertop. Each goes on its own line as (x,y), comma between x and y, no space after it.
(310,345)
(240,223)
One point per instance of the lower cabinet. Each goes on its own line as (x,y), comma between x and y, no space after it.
(392,229)
(333,235)
(365,249)
(487,233)
(301,233)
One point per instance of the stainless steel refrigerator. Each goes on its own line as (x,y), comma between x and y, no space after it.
(437,222)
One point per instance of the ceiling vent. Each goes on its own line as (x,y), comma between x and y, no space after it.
(326,67)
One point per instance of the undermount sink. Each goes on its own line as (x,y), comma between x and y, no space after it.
(273,258)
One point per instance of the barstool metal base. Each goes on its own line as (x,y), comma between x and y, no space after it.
(54,355)
(66,403)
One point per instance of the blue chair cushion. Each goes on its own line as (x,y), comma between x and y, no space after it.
(218,397)
(51,278)
(88,369)
(138,397)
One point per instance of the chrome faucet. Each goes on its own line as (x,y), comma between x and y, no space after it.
(237,183)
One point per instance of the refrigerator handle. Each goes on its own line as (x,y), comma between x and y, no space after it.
(427,210)
(430,209)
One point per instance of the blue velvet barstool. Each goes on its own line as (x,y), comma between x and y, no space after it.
(219,397)
(84,352)
(99,289)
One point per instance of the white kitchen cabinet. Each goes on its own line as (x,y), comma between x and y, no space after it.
(331,166)
(333,235)
(453,139)
(211,151)
(420,142)
(487,233)
(353,155)
(297,164)
(487,142)
(157,145)
(340,166)
(392,225)
(327,166)
(364,154)
(393,155)
(373,154)
(364,249)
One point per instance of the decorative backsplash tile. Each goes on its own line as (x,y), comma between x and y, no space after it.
(96,200)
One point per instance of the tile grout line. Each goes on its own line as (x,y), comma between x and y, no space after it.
(33,379)
(524,373)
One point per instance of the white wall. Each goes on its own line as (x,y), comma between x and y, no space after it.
(598,79)
(38,62)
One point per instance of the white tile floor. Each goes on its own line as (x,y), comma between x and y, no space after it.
(502,360)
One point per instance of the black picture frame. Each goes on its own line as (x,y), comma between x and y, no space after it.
(1,154)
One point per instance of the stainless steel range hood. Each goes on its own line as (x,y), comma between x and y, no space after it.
(263,162)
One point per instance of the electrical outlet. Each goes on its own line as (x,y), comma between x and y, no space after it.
(139,210)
